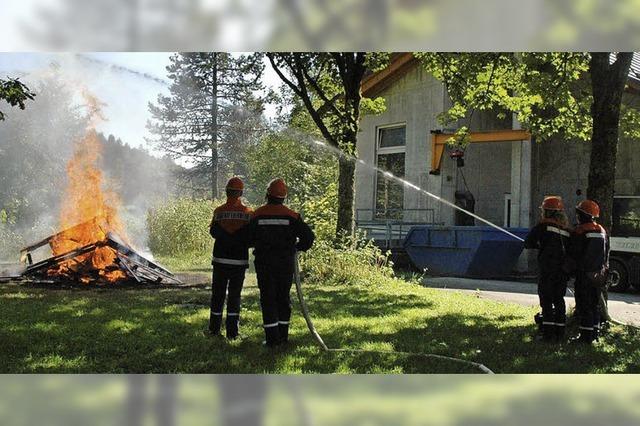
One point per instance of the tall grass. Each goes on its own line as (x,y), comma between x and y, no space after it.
(180,227)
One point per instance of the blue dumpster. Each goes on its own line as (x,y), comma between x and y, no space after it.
(475,251)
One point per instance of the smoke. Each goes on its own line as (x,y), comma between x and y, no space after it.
(36,144)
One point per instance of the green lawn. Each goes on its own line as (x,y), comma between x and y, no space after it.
(159,330)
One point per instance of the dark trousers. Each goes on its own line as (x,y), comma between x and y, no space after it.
(225,278)
(274,282)
(587,299)
(551,291)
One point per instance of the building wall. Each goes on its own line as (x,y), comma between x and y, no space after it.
(561,167)
(558,167)
(416,100)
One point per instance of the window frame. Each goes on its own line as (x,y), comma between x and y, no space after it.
(400,149)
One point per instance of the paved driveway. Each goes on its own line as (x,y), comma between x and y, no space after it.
(624,307)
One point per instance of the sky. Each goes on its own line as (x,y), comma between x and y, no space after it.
(125,81)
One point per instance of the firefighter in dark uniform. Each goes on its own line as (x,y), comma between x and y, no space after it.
(551,237)
(590,253)
(230,259)
(276,232)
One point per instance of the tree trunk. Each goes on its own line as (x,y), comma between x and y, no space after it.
(214,130)
(607,81)
(346,187)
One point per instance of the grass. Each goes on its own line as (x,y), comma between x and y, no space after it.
(159,330)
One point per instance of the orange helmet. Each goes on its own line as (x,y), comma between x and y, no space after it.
(235,184)
(552,203)
(277,188)
(589,207)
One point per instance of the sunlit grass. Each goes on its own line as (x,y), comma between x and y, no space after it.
(159,330)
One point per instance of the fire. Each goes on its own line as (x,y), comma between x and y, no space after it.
(89,212)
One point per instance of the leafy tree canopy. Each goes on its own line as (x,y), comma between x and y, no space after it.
(14,92)
(549,92)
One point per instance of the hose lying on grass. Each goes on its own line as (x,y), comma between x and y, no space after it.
(318,338)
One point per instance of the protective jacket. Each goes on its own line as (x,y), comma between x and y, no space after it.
(277,232)
(229,249)
(590,252)
(590,247)
(552,240)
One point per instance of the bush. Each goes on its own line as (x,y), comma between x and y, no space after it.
(349,260)
(180,227)
(320,213)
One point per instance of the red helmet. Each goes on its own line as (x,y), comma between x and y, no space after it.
(235,184)
(277,188)
(589,207)
(552,203)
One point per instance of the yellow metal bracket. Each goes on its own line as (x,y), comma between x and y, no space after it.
(439,141)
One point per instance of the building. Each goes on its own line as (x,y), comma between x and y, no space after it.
(507,172)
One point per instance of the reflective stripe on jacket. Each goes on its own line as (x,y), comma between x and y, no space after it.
(590,247)
(552,241)
(230,248)
(277,232)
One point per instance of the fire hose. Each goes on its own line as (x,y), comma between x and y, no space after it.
(316,336)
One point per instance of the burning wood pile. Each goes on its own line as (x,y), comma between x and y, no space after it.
(104,260)
(93,246)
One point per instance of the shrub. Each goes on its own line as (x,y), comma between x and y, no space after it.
(320,213)
(180,227)
(349,260)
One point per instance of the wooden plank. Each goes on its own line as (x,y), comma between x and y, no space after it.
(377,82)
(127,268)
(65,256)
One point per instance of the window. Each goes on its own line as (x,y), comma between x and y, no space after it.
(626,217)
(390,158)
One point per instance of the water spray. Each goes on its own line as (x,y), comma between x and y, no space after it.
(412,185)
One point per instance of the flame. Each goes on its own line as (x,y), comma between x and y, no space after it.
(89,211)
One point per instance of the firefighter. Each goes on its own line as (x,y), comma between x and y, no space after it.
(276,232)
(551,237)
(230,259)
(590,253)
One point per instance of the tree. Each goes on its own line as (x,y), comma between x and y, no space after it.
(14,92)
(551,94)
(608,81)
(328,84)
(194,119)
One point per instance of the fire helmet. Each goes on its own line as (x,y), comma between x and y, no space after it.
(552,203)
(589,208)
(277,189)
(235,184)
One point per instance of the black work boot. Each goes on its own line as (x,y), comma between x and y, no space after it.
(586,336)
(272,335)
(232,326)
(283,329)
(215,323)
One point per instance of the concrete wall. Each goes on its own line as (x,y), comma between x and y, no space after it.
(561,167)
(414,100)
(557,167)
